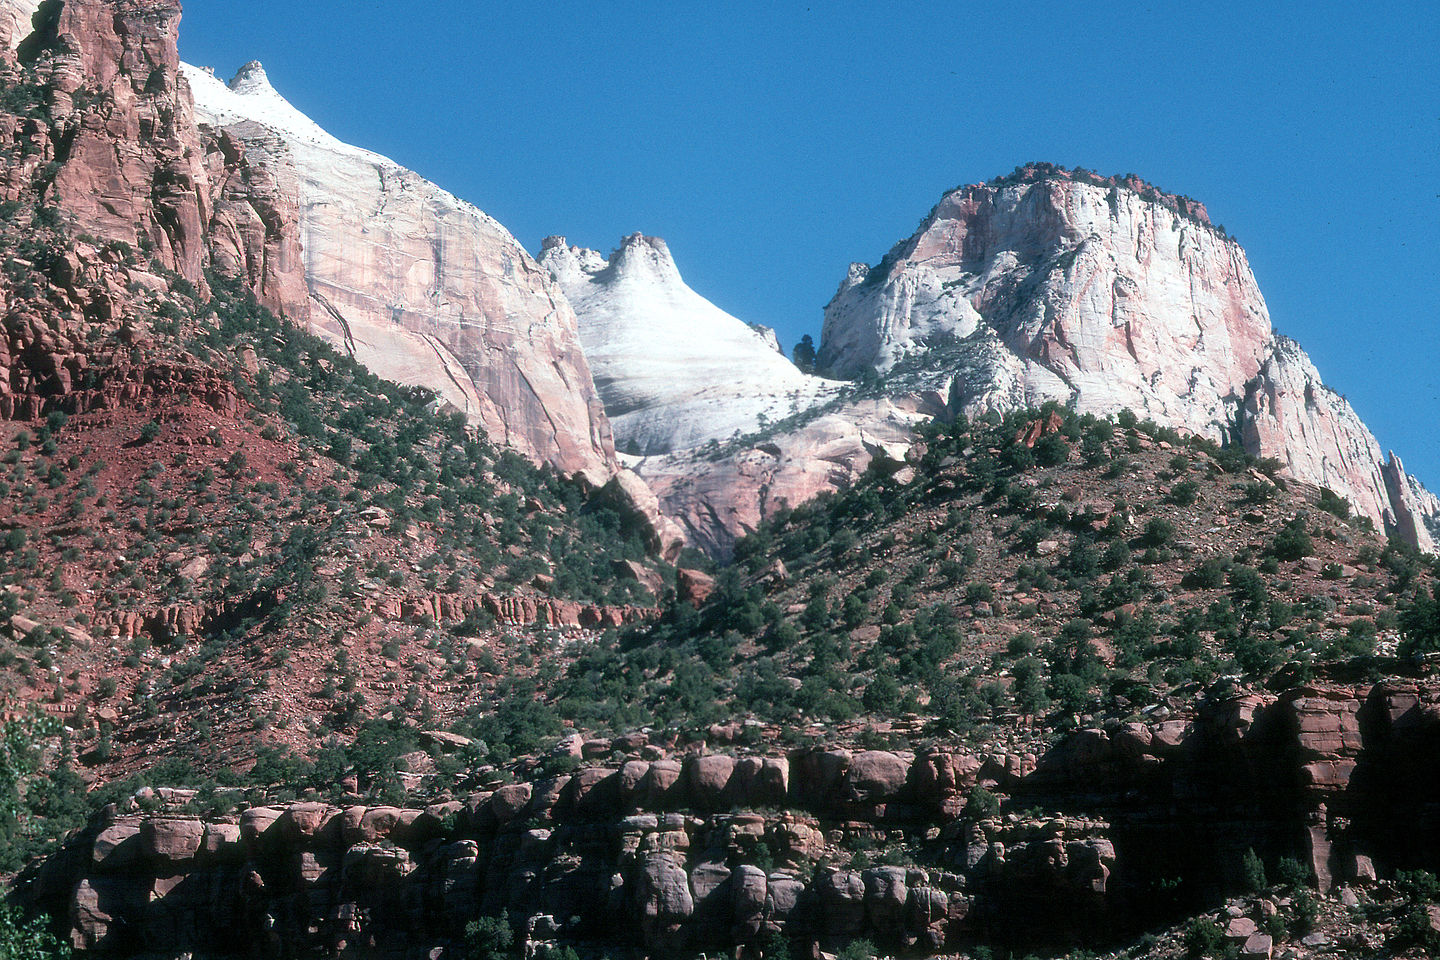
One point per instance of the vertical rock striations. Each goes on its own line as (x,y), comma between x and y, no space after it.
(124,156)
(419,285)
(254,223)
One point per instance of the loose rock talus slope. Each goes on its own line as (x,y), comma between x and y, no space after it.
(420,286)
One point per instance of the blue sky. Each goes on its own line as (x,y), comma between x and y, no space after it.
(773,143)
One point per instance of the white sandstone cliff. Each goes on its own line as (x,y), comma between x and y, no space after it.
(674,370)
(1105,295)
(420,286)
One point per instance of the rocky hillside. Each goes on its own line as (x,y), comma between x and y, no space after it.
(1105,294)
(1064,664)
(224,539)
(418,285)
(675,371)
(300,661)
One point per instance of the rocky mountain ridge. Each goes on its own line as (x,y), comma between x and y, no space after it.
(1105,294)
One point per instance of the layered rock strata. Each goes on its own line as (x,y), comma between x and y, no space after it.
(186,620)
(1105,295)
(417,284)
(674,855)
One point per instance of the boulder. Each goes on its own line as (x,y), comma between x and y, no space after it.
(171,842)
(663,898)
(708,780)
(118,844)
(509,800)
(693,586)
(875,776)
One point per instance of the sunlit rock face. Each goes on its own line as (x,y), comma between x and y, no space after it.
(674,370)
(420,286)
(1105,294)
(1059,289)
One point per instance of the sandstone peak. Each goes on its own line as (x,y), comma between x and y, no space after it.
(646,257)
(251,79)
(482,325)
(674,370)
(1103,293)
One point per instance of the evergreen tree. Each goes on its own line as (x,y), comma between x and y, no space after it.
(804,354)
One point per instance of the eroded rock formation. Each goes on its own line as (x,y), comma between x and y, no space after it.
(675,371)
(417,284)
(707,851)
(1105,295)
(125,155)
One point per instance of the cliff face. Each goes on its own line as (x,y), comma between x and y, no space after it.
(420,286)
(1100,296)
(253,226)
(674,370)
(122,152)
(1104,295)
(1290,414)
(711,851)
(717,500)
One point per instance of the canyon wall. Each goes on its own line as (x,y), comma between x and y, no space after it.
(707,851)
(420,286)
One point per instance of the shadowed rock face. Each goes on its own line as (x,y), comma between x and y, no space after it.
(1105,296)
(254,231)
(420,286)
(662,854)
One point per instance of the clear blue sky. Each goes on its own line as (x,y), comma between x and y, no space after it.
(773,143)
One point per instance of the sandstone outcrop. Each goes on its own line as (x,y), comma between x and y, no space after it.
(181,620)
(1104,294)
(719,497)
(417,284)
(674,370)
(126,155)
(1290,414)
(254,228)
(663,855)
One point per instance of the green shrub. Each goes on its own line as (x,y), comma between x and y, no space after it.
(1420,624)
(1293,542)
(489,938)
(1209,575)
(1252,872)
(1158,532)
(1290,872)
(981,804)
(1183,494)
(1332,502)
(1051,450)
(1204,938)
(22,939)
